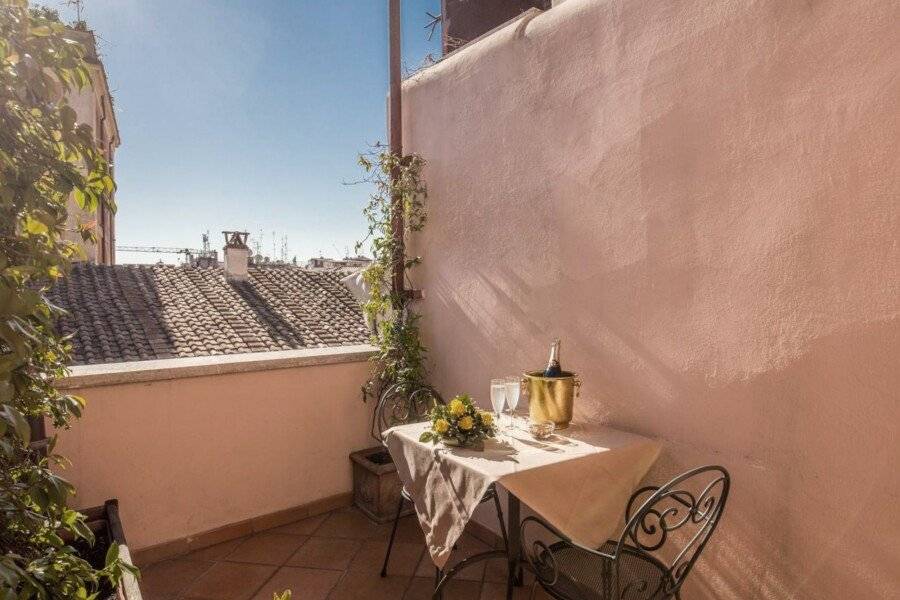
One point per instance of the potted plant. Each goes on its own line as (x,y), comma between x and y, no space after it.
(108,544)
(460,423)
(399,375)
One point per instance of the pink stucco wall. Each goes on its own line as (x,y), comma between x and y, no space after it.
(184,456)
(701,199)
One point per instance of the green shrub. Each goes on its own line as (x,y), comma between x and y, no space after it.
(46,157)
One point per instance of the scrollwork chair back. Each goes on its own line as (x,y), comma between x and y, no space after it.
(666,529)
(397,406)
(672,523)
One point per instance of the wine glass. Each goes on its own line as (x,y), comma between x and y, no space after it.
(513,390)
(498,397)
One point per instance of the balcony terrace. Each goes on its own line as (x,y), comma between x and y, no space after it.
(333,555)
(699,198)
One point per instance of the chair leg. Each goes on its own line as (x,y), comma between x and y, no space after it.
(502,522)
(438,574)
(387,555)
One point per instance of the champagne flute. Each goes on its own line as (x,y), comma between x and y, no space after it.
(498,397)
(513,390)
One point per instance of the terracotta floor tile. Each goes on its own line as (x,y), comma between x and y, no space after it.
(359,585)
(466,546)
(306,526)
(266,549)
(305,584)
(170,578)
(409,530)
(352,524)
(337,556)
(422,588)
(215,552)
(230,581)
(473,572)
(404,557)
(325,553)
(469,544)
(497,591)
(496,570)
(426,567)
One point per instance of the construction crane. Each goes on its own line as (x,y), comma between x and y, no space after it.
(189,253)
(206,252)
(159,250)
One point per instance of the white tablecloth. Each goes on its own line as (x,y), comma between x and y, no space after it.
(579,480)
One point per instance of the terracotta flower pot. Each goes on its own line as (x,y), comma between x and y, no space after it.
(376,486)
(107,527)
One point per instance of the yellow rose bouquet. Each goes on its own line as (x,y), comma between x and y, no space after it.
(459,423)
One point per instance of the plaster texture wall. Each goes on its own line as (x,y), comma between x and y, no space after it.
(701,199)
(184,456)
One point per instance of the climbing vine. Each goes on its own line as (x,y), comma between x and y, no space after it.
(401,356)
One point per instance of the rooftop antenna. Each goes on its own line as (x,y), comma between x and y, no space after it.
(284,249)
(79,7)
(257,245)
(432,24)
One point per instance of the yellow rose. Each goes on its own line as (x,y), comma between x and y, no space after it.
(487,418)
(466,423)
(441,426)
(457,408)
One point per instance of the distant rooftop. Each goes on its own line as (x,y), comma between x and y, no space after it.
(144,312)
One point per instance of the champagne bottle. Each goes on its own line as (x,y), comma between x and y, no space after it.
(553,369)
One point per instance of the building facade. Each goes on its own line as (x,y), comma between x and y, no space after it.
(94,107)
(336,264)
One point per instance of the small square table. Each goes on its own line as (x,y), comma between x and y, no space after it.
(579,480)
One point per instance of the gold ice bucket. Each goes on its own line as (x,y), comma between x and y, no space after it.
(551,398)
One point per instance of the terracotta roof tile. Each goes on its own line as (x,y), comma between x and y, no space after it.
(143,312)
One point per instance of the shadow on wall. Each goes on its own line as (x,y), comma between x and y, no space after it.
(811,444)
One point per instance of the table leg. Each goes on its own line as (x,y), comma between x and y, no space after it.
(514,577)
(513,556)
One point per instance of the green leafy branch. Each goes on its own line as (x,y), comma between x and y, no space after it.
(46,157)
(401,356)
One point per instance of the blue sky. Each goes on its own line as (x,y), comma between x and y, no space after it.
(247,114)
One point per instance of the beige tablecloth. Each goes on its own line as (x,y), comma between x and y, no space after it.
(580,480)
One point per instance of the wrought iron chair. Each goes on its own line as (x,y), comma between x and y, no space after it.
(396,407)
(640,565)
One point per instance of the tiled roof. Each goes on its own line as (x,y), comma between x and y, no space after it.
(143,312)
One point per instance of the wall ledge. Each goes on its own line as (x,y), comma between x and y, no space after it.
(519,21)
(142,371)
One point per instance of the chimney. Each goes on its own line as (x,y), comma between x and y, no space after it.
(237,255)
